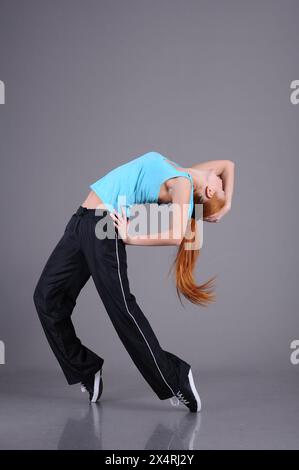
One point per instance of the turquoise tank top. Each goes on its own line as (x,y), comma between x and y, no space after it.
(139,180)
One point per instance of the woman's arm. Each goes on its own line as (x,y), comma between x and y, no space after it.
(180,208)
(165,238)
(227,173)
(225,169)
(227,177)
(218,166)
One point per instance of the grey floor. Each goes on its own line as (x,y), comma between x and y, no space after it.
(38,410)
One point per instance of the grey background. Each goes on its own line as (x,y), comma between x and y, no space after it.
(92,84)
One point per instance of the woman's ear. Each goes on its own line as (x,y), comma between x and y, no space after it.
(209,192)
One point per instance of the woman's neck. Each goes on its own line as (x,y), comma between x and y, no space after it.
(199,178)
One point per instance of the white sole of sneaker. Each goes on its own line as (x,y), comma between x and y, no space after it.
(96,387)
(193,388)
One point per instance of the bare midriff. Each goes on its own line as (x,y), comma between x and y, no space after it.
(93,201)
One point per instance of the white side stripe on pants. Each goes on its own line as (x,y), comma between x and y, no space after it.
(121,285)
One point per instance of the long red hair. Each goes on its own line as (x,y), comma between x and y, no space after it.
(185,260)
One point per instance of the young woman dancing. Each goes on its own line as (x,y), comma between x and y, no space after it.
(81,253)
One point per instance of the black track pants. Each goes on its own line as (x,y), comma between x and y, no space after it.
(79,254)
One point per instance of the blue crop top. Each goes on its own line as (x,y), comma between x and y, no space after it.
(139,180)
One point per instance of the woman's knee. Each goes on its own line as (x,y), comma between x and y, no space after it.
(40,295)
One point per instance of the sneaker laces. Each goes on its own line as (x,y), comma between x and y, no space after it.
(182,398)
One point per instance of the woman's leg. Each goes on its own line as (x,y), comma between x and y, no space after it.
(107,261)
(63,277)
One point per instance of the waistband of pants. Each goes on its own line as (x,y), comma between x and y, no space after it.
(84,212)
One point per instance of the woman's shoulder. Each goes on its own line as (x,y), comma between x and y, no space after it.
(152,153)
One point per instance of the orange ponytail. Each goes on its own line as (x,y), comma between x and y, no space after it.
(185,261)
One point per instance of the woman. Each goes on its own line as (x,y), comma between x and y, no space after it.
(81,253)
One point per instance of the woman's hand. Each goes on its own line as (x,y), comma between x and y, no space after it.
(121,223)
(218,215)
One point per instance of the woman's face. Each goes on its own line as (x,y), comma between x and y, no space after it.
(214,185)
